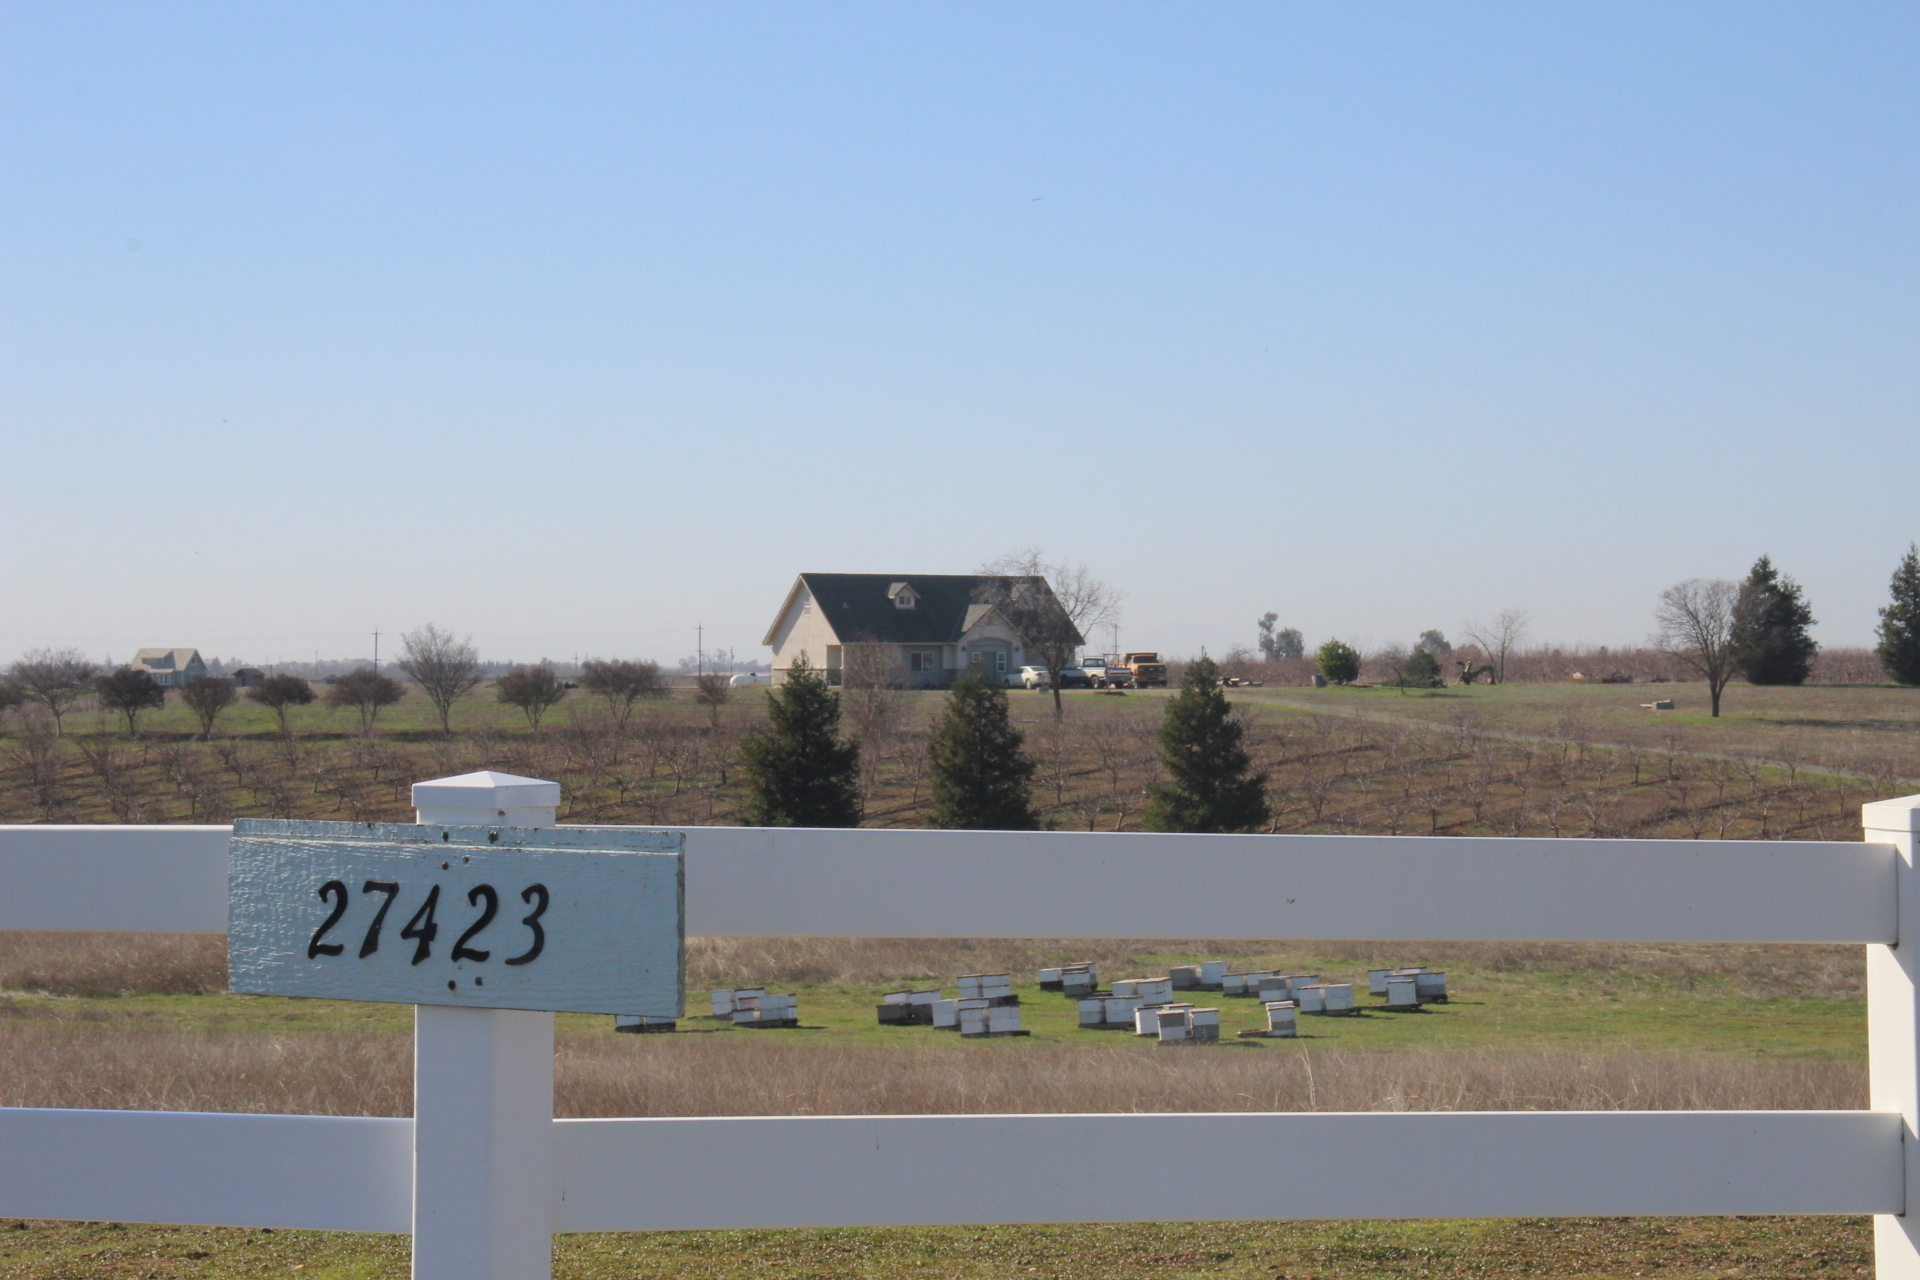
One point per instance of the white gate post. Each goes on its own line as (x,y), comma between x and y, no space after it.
(483,1090)
(1893,1031)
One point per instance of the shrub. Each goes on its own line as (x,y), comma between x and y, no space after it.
(1339,662)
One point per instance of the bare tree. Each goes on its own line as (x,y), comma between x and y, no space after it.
(710,691)
(366,691)
(532,687)
(1051,606)
(54,678)
(446,669)
(1499,639)
(871,681)
(281,694)
(1696,626)
(207,697)
(130,691)
(620,683)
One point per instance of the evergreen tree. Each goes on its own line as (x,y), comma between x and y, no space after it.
(799,772)
(1900,622)
(1339,662)
(1208,788)
(1769,639)
(981,778)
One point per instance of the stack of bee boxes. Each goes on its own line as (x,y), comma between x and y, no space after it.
(1325,997)
(986,1007)
(1177,1024)
(1408,988)
(756,1007)
(1073,979)
(907,1008)
(978,1019)
(1281,1024)
(1115,1012)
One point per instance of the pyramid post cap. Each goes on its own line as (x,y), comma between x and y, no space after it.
(487,790)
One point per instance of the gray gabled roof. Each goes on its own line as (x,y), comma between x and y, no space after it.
(860,608)
(166,659)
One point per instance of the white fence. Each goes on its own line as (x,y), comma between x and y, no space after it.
(607,1175)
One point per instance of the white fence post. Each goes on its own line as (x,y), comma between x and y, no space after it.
(483,1091)
(1893,1030)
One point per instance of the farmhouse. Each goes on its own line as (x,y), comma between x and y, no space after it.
(170,668)
(923,631)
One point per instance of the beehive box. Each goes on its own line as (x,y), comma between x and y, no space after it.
(1211,972)
(986,986)
(1185,977)
(1403,992)
(1431,986)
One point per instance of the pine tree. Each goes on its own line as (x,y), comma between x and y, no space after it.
(799,772)
(981,778)
(1208,789)
(1900,622)
(1769,639)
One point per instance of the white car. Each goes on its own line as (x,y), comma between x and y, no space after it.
(1035,678)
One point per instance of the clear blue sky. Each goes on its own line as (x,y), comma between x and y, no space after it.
(571,326)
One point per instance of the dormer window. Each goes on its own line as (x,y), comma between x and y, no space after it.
(902,595)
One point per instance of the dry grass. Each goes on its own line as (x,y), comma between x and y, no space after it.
(101,964)
(60,1064)
(1827,972)
(113,964)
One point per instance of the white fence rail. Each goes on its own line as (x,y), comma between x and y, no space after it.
(358,1174)
(760,881)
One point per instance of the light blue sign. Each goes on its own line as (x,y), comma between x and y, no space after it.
(572,919)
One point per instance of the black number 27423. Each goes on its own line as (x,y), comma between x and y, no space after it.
(422,929)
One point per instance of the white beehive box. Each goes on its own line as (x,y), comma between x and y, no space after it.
(723,1004)
(1203,1024)
(973,1020)
(1185,977)
(1049,977)
(986,986)
(1430,985)
(1093,1012)
(1119,1010)
(1377,981)
(1233,984)
(1403,992)
(1211,971)
(1274,988)
(946,1014)
(1172,1024)
(1309,999)
(1146,1020)
(896,997)
(1003,1018)
(1336,997)
(1153,990)
(923,997)
(1123,987)
(1078,981)
(1281,1020)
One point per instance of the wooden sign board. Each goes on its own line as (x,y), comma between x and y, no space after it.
(572,919)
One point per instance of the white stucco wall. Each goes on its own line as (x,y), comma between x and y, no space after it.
(801,630)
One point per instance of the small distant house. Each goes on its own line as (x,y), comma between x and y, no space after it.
(921,631)
(247,677)
(170,668)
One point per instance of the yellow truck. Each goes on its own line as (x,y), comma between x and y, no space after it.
(1145,670)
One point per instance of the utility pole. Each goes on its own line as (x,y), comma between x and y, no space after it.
(376,651)
(699,650)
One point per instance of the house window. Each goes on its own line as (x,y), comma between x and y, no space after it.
(806,604)
(922,662)
(1000,661)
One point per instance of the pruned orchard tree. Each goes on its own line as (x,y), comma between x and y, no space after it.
(533,687)
(982,778)
(1053,607)
(446,669)
(1500,639)
(207,697)
(281,694)
(130,691)
(366,691)
(54,678)
(621,682)
(711,690)
(799,771)
(1696,626)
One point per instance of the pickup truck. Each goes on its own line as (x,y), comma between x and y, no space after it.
(1141,670)
(1105,672)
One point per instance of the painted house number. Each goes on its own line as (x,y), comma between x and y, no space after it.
(423,928)
(574,919)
